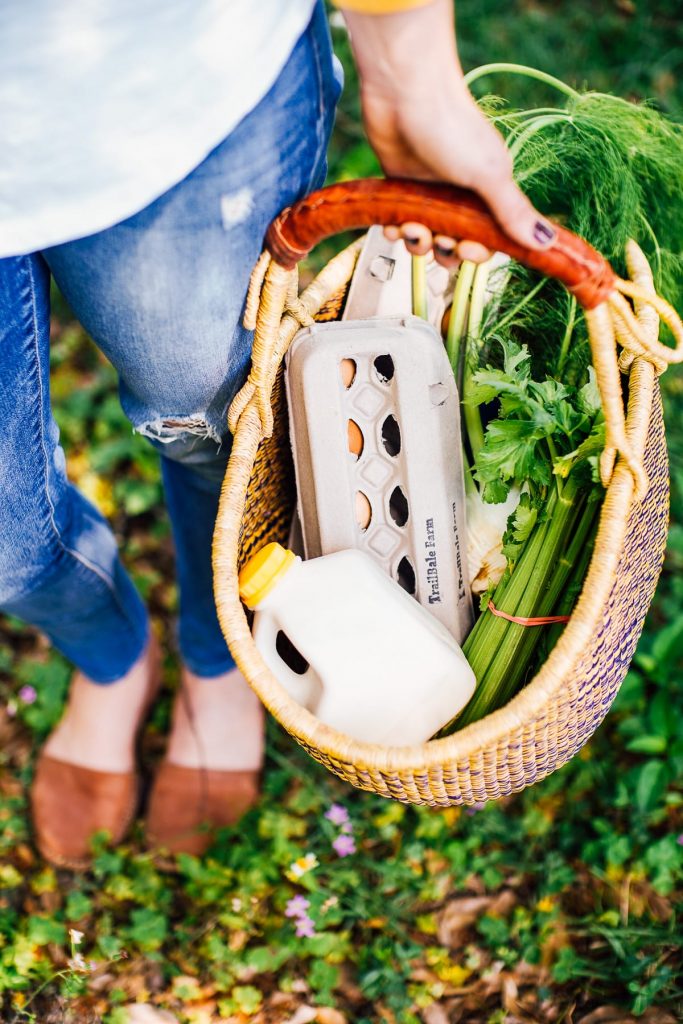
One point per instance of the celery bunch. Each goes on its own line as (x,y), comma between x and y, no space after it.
(548,435)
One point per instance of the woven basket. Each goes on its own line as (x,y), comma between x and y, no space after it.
(559,709)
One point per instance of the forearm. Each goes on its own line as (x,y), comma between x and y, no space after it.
(409,52)
(419,115)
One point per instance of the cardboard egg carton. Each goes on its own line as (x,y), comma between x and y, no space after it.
(375,431)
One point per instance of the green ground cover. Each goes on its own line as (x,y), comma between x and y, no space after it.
(560,904)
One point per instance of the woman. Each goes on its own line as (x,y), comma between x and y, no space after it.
(146,147)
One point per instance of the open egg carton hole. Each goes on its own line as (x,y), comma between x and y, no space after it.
(381,504)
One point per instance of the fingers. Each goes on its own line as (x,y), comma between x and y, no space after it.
(446,251)
(446,248)
(418,240)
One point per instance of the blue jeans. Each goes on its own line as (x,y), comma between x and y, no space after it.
(162,295)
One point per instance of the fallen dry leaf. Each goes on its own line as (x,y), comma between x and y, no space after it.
(101,982)
(457,916)
(141,978)
(608,1015)
(143,1013)
(460,914)
(303,1015)
(613,1015)
(434,1014)
(509,994)
(329,1015)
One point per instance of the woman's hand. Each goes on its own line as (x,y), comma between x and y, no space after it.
(423,123)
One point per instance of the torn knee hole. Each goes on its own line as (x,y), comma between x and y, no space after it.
(194,426)
(175,428)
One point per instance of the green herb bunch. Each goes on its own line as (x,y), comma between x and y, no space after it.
(609,170)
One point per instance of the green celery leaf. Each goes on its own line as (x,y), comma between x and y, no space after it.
(510,452)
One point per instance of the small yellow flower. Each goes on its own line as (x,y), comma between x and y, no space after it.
(426,923)
(453,974)
(545,905)
(302,865)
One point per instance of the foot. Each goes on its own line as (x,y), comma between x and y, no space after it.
(218,724)
(85,780)
(100,723)
(210,776)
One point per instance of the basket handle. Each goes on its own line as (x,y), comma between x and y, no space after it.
(442,208)
(462,214)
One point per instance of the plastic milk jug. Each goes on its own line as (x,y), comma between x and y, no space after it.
(375,664)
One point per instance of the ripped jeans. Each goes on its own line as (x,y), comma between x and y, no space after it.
(162,295)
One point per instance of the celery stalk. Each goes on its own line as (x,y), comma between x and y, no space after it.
(456,324)
(512,659)
(497,645)
(472,416)
(489,632)
(419,279)
(581,561)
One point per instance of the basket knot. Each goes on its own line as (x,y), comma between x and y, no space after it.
(638,333)
(273,292)
(295,307)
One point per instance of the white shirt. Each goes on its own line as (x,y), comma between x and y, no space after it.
(106,104)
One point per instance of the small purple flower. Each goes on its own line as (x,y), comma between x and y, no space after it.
(305,927)
(347,827)
(337,814)
(344,845)
(297,906)
(680,839)
(27,694)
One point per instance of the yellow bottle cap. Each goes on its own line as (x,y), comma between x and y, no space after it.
(262,572)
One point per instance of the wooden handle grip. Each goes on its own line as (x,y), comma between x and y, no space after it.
(444,209)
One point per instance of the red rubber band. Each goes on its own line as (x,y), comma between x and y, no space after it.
(541,620)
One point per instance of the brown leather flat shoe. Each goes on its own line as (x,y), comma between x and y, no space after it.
(70,803)
(188,805)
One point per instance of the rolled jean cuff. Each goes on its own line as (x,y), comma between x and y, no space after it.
(134,648)
(97,621)
(205,671)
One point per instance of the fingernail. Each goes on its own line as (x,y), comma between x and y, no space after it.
(543,233)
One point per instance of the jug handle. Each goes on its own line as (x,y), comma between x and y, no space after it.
(300,686)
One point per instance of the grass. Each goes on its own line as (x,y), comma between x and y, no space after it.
(543,907)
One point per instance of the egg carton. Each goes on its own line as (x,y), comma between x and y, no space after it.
(375,432)
(382,282)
